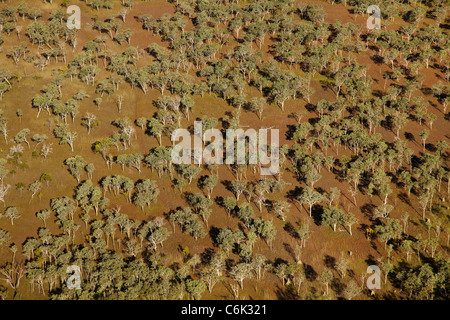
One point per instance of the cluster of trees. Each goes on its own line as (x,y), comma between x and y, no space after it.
(222,55)
(142,193)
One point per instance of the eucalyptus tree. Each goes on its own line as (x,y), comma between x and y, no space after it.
(38,138)
(90,121)
(325,278)
(34,188)
(63,207)
(43,215)
(3,191)
(303,233)
(352,290)
(424,134)
(350,219)
(208,182)
(227,238)
(392,229)
(21,136)
(265,229)
(4,129)
(189,171)
(238,187)
(76,165)
(195,288)
(280,207)
(66,137)
(155,128)
(240,272)
(333,216)
(310,197)
(201,205)
(12,213)
(146,193)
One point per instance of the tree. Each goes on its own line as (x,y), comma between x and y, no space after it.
(89,169)
(3,191)
(382,212)
(349,220)
(34,188)
(352,290)
(424,134)
(189,171)
(325,278)
(141,122)
(226,239)
(195,288)
(20,186)
(333,216)
(230,204)
(341,267)
(3,129)
(210,277)
(399,122)
(391,230)
(17,52)
(303,234)
(407,248)
(265,229)
(4,237)
(123,14)
(12,213)
(65,135)
(238,187)
(76,166)
(424,199)
(281,272)
(208,182)
(258,105)
(38,138)
(43,215)
(155,128)
(280,207)
(240,272)
(310,197)
(21,136)
(98,102)
(179,183)
(89,120)
(387,267)
(146,193)
(34,13)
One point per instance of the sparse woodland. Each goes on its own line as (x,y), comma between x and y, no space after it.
(86,176)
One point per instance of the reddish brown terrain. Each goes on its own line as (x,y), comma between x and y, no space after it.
(323,249)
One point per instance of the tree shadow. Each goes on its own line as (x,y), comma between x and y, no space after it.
(430,147)
(290,229)
(368,209)
(404,198)
(206,255)
(410,137)
(310,274)
(377,59)
(337,286)
(286,293)
(289,249)
(213,233)
(316,214)
(329,261)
